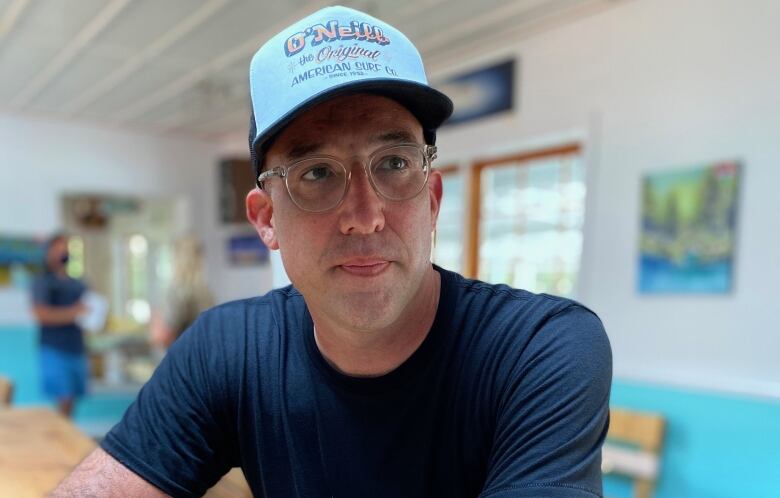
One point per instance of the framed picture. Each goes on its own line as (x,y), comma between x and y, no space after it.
(688,229)
(247,249)
(236,179)
(482,92)
(20,258)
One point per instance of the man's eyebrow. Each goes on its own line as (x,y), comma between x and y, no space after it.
(306,149)
(303,150)
(395,136)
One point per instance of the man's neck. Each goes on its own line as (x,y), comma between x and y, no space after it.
(373,354)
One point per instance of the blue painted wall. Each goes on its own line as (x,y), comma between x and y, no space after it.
(717,446)
(19,361)
(95,414)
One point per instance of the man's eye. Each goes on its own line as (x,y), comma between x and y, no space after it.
(393,163)
(318,172)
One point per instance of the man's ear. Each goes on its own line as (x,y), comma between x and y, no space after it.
(259,212)
(435,189)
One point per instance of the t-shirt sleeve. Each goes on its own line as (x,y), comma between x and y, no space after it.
(553,412)
(178,434)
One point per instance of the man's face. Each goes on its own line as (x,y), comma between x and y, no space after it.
(361,264)
(57,252)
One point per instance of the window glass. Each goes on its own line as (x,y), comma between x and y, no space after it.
(448,248)
(530,225)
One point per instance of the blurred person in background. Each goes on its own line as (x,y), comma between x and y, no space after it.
(56,306)
(186,297)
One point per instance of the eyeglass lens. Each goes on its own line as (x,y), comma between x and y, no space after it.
(319,184)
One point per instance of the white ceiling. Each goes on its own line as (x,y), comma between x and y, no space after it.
(180,66)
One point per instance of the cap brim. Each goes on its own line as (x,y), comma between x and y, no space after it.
(428,105)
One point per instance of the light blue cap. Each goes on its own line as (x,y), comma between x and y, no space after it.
(331,52)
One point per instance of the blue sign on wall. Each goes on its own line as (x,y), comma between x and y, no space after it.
(480,93)
(247,249)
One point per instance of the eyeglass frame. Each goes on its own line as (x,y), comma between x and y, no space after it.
(428,153)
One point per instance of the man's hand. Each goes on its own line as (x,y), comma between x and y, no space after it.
(58,315)
(101,476)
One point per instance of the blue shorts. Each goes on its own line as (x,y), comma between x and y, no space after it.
(64,375)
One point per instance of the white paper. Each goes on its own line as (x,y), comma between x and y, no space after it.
(94,320)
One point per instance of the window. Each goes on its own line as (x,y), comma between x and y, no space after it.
(448,244)
(137,303)
(529,218)
(75,266)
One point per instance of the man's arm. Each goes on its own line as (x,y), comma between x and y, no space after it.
(553,412)
(58,315)
(180,432)
(102,476)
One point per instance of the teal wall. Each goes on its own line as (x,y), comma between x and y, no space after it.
(19,361)
(717,446)
(95,414)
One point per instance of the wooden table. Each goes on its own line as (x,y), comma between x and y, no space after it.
(39,447)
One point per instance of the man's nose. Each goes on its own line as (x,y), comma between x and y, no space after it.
(363,210)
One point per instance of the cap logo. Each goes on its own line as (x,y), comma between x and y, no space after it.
(319,33)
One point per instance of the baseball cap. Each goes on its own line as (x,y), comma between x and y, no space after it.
(335,51)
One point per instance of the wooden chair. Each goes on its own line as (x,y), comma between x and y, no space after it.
(6,392)
(633,448)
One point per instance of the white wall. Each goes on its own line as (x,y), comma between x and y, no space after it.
(40,159)
(239,282)
(654,84)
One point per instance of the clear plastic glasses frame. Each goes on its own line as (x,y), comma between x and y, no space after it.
(319,183)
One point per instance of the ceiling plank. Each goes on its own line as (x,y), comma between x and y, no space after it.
(445,53)
(218,126)
(244,50)
(138,61)
(528,18)
(418,7)
(68,53)
(190,79)
(483,23)
(11,16)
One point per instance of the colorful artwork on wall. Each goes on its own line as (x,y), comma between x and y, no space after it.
(688,229)
(20,258)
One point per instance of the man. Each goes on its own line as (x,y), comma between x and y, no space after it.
(56,306)
(376,373)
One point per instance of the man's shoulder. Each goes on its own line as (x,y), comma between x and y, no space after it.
(501,318)
(283,296)
(226,331)
(497,299)
(254,312)
(43,278)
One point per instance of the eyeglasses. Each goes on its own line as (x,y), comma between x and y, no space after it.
(319,183)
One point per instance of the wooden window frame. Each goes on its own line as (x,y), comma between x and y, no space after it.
(471,253)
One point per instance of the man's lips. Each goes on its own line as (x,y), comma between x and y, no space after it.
(365,266)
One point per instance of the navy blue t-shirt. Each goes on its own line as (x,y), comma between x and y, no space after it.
(506,397)
(50,289)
